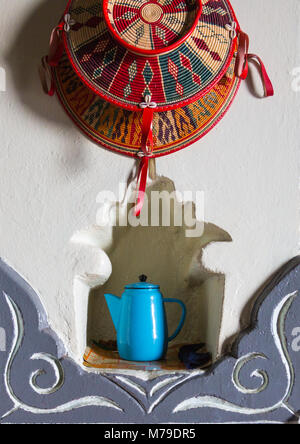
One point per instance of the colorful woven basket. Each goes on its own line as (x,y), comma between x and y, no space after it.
(175,77)
(147,78)
(121,130)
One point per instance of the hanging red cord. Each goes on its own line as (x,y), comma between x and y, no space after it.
(242,66)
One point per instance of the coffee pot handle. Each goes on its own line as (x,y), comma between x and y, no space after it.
(180,325)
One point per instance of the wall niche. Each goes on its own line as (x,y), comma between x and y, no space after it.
(166,254)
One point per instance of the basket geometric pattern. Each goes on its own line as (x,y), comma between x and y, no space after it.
(151,25)
(173,79)
(120,129)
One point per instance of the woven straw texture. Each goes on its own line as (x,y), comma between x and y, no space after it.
(172,79)
(120,130)
(151,25)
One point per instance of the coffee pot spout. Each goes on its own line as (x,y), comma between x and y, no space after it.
(114,306)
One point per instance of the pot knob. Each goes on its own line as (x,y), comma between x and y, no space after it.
(143,278)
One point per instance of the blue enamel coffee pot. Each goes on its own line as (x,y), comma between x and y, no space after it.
(140,321)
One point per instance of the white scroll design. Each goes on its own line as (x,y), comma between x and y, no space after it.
(96,401)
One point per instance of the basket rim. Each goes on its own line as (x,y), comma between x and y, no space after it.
(151,52)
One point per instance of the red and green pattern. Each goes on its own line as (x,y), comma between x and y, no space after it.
(173,79)
(151,25)
(119,129)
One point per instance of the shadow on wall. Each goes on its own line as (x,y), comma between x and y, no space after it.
(23,59)
(174,261)
(24,55)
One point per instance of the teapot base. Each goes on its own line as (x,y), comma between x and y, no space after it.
(142,357)
(128,353)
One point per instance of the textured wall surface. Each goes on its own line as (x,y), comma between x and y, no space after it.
(50,174)
(257,382)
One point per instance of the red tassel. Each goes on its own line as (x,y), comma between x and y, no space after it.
(142,182)
(46,77)
(145,153)
(56,49)
(242,67)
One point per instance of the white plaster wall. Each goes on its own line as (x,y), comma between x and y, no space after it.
(50,174)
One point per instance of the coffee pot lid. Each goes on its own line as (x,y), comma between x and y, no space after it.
(142,284)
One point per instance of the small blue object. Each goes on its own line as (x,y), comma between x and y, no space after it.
(140,321)
(191,359)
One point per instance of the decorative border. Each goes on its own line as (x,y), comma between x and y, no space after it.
(258,382)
